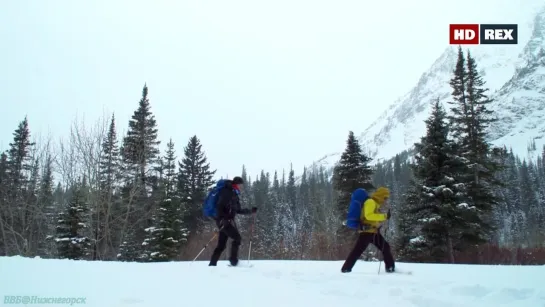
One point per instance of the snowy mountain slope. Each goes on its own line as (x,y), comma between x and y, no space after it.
(267,283)
(521,101)
(399,127)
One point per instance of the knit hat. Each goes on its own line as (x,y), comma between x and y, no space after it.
(238,180)
(381,194)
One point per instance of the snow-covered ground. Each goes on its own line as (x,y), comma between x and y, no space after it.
(271,283)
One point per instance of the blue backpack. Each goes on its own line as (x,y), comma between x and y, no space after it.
(359,196)
(209,205)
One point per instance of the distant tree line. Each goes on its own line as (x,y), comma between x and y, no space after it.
(96,196)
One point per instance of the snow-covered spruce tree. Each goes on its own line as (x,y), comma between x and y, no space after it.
(72,224)
(274,207)
(16,210)
(502,210)
(290,218)
(247,194)
(165,237)
(48,207)
(327,216)
(408,245)
(303,213)
(469,126)
(511,216)
(397,188)
(264,239)
(195,177)
(3,201)
(129,249)
(284,219)
(108,210)
(351,172)
(443,219)
(541,196)
(140,146)
(536,212)
(529,202)
(140,155)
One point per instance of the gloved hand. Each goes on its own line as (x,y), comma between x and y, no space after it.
(388,215)
(254,209)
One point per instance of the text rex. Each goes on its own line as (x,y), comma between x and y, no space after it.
(474,34)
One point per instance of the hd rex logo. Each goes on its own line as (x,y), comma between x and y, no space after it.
(483,34)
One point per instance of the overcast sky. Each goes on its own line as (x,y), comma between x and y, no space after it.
(260,84)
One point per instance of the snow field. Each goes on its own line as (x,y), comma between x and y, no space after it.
(272,283)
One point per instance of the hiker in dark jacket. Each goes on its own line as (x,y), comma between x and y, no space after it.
(227,207)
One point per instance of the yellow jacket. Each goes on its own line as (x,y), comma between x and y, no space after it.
(370,215)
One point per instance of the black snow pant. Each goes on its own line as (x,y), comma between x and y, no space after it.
(363,241)
(228,231)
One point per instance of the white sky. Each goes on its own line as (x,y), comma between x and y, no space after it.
(282,82)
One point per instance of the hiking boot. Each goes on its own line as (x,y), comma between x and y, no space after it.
(390,270)
(346,270)
(234,262)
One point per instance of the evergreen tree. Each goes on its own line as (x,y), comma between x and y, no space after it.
(140,155)
(291,190)
(408,243)
(247,193)
(287,221)
(20,189)
(107,210)
(3,201)
(529,203)
(140,145)
(304,225)
(501,211)
(396,192)
(263,235)
(350,173)
(46,221)
(194,179)
(169,169)
(460,110)
(20,164)
(129,249)
(443,216)
(109,161)
(167,234)
(469,124)
(274,206)
(71,243)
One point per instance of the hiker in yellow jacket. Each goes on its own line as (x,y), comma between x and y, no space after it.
(371,220)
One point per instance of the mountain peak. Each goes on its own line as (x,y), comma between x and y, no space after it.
(512,75)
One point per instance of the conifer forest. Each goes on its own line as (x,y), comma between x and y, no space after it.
(98,195)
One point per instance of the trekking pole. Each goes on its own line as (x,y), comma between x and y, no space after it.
(251,235)
(206,245)
(382,249)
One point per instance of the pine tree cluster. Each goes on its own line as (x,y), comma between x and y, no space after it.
(113,200)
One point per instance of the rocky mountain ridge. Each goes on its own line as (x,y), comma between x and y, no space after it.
(515,77)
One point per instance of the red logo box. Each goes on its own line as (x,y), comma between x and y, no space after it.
(464,34)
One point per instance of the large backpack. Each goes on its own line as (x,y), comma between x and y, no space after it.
(209,205)
(359,196)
